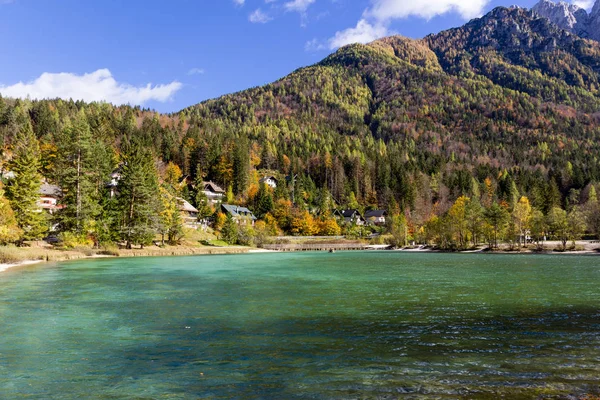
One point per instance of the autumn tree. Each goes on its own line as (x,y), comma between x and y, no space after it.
(521,216)
(9,230)
(458,221)
(558,224)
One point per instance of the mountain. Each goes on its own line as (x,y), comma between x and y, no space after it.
(507,104)
(571,17)
(509,90)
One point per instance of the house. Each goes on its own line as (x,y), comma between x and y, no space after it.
(189,213)
(50,195)
(115,177)
(213,192)
(350,217)
(376,217)
(269,181)
(241,215)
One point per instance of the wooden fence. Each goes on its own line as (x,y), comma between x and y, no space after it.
(316,247)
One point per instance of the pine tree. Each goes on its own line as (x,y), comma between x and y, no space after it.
(138,190)
(264,203)
(229,232)
(75,169)
(241,166)
(23,191)
(497,219)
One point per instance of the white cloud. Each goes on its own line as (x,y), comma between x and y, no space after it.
(384,10)
(376,20)
(196,71)
(314,45)
(298,5)
(364,32)
(587,4)
(259,17)
(96,86)
(239,2)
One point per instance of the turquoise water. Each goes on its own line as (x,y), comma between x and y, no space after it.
(283,326)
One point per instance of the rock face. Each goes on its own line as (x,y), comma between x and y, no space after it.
(571,17)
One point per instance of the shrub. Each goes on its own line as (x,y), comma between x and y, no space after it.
(72,240)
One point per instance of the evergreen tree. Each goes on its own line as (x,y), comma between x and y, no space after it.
(75,172)
(137,196)
(23,191)
(229,232)
(497,218)
(241,166)
(264,203)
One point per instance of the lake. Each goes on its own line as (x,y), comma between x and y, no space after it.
(302,325)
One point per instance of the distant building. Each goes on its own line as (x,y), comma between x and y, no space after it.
(115,177)
(50,195)
(269,181)
(376,217)
(350,217)
(189,213)
(213,192)
(241,215)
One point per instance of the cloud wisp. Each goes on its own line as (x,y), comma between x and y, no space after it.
(99,85)
(376,20)
(259,17)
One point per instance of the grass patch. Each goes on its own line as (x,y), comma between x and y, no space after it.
(13,255)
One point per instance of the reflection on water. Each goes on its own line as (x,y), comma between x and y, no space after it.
(346,325)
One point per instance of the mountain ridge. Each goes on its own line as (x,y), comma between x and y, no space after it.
(571,17)
(508,98)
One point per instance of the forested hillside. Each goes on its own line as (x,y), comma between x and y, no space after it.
(499,114)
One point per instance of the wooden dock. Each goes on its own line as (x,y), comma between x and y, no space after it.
(317,247)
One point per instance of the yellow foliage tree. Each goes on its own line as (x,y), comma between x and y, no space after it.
(303,224)
(521,217)
(329,227)
(172,176)
(458,220)
(9,230)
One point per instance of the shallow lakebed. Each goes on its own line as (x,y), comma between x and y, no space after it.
(302,325)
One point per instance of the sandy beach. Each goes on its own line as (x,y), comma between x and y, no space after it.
(4,267)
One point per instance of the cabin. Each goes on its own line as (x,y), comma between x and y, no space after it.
(115,177)
(269,181)
(241,215)
(376,217)
(352,217)
(50,195)
(213,192)
(189,213)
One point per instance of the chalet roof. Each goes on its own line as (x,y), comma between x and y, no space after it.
(50,190)
(213,187)
(348,213)
(375,213)
(237,211)
(184,205)
(266,178)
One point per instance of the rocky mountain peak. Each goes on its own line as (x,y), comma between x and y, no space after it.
(571,17)
(562,13)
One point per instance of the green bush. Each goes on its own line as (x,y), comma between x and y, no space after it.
(73,240)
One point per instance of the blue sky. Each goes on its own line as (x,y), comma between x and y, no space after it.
(189,51)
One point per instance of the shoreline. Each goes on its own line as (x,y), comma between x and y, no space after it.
(64,255)
(55,256)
